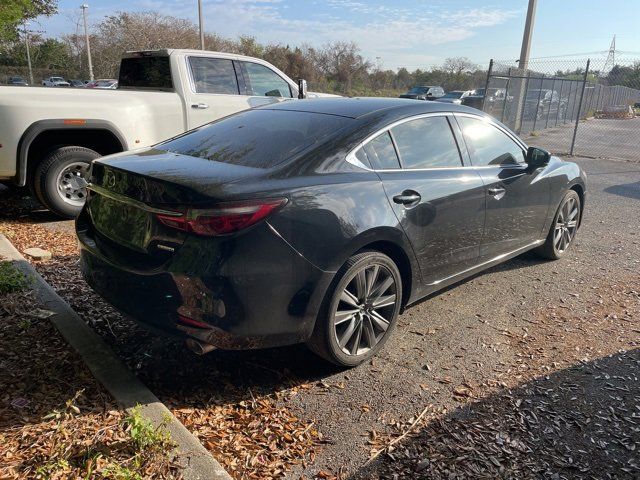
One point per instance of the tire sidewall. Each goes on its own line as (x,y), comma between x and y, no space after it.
(46,176)
(367,259)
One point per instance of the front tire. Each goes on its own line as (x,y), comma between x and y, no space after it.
(360,311)
(563,229)
(61,178)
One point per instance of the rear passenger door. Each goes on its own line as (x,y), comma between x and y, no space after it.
(440,204)
(214,90)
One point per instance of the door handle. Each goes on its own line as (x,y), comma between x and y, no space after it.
(199,106)
(497,192)
(407,198)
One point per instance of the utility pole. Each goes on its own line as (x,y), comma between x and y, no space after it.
(26,41)
(84,8)
(201,24)
(526,37)
(523,63)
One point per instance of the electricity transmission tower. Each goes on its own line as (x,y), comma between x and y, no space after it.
(611,58)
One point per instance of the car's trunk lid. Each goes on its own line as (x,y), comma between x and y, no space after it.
(127,192)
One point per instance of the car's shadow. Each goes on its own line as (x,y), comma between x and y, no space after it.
(629,190)
(580,422)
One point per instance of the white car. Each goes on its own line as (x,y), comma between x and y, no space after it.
(55,82)
(49,137)
(456,96)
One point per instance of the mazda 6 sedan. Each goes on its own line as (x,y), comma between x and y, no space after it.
(317,221)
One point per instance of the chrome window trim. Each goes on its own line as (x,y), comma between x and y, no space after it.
(352,159)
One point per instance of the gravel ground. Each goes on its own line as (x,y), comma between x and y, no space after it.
(518,372)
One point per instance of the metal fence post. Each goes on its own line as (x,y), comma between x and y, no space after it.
(506,96)
(535,115)
(486,84)
(559,101)
(553,86)
(566,108)
(584,85)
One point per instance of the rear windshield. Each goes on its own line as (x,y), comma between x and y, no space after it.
(257,138)
(145,73)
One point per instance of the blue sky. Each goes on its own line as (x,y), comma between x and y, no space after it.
(415,33)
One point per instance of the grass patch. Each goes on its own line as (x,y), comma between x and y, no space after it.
(144,435)
(11,279)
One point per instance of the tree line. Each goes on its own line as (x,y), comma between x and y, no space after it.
(336,67)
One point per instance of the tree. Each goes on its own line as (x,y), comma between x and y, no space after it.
(342,63)
(13,13)
(124,31)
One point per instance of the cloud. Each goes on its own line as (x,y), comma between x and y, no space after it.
(399,35)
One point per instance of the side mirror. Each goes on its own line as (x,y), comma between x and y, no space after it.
(302,88)
(537,157)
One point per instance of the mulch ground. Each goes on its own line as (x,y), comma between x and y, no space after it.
(56,421)
(249,429)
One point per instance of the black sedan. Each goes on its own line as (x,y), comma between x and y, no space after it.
(318,220)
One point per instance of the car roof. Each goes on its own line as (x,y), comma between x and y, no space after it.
(361,106)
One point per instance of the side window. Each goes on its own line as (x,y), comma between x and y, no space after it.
(262,81)
(426,142)
(381,153)
(214,75)
(487,145)
(362,157)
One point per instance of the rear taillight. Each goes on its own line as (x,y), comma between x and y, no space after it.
(225,219)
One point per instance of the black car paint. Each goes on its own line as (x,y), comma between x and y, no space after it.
(264,286)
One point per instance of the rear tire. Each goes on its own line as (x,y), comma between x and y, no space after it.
(360,310)
(563,228)
(60,180)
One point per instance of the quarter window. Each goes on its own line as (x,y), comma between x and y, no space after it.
(426,142)
(381,153)
(488,145)
(262,81)
(214,75)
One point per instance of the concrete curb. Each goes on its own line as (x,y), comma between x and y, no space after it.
(125,387)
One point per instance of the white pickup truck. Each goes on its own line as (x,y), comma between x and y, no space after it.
(55,82)
(48,137)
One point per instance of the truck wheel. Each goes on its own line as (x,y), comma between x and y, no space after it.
(61,179)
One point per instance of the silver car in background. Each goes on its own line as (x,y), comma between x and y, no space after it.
(455,96)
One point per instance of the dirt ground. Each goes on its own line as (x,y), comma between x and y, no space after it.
(529,370)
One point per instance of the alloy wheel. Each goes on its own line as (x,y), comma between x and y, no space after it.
(566,224)
(72,183)
(365,309)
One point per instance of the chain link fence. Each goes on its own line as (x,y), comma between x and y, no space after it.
(578,107)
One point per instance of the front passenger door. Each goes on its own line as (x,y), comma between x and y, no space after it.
(517,197)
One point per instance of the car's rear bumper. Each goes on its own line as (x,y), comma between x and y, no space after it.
(252,291)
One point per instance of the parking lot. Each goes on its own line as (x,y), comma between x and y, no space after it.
(471,367)
(596,137)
